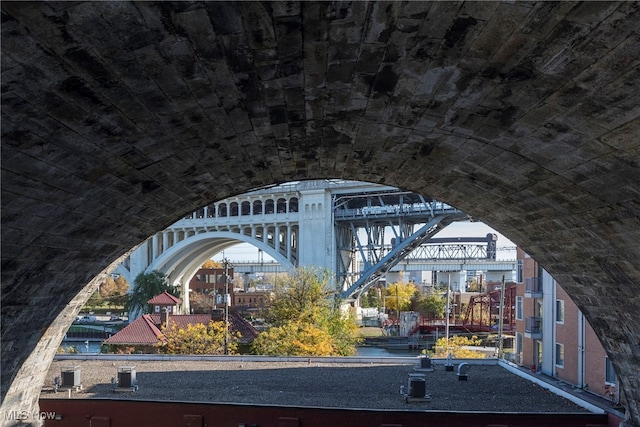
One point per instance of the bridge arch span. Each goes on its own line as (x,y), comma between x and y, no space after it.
(181,262)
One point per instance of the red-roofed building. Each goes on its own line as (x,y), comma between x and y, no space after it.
(145,332)
(165,300)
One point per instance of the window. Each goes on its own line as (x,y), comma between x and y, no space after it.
(519,315)
(559,355)
(559,311)
(519,271)
(609,373)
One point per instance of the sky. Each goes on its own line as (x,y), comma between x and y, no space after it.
(247,252)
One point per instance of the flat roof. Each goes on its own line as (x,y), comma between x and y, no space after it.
(314,383)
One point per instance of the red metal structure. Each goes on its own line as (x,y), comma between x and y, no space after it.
(483,311)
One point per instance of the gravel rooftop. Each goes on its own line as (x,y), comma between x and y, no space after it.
(300,383)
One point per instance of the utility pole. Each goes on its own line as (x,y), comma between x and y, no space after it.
(447,309)
(501,320)
(226,305)
(397,311)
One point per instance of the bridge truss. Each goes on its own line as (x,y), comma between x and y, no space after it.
(362,223)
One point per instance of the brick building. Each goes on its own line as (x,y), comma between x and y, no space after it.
(211,281)
(553,336)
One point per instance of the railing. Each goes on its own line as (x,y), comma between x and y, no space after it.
(533,325)
(533,286)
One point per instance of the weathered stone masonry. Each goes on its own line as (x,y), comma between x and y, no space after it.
(120,117)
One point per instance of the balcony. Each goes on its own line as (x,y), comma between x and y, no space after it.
(533,287)
(533,327)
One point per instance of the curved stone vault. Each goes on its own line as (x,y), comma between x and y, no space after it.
(120,117)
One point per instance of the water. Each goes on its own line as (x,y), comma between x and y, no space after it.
(384,352)
(94,347)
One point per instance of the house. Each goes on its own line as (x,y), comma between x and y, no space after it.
(142,335)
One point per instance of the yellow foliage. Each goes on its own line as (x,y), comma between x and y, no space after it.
(294,339)
(211,264)
(305,321)
(197,338)
(399,294)
(455,346)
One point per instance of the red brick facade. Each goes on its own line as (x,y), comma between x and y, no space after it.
(566,346)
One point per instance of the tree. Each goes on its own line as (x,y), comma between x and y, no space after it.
(301,295)
(432,306)
(200,303)
(399,295)
(211,264)
(95,300)
(294,338)
(456,346)
(371,298)
(197,338)
(113,291)
(146,286)
(306,319)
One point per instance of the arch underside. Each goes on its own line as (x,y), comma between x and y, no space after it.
(181,262)
(119,118)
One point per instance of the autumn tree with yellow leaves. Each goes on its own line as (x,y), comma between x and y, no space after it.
(197,338)
(398,296)
(458,347)
(306,319)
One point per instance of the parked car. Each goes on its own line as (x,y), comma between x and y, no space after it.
(87,319)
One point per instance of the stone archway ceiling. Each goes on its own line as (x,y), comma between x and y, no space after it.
(120,117)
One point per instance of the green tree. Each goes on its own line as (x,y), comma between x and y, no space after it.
(145,287)
(95,300)
(371,298)
(306,319)
(300,295)
(432,306)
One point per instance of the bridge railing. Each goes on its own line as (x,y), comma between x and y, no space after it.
(417,209)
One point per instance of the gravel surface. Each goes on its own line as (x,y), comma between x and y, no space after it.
(346,385)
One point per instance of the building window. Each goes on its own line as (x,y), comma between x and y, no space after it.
(519,271)
(559,311)
(609,373)
(519,338)
(559,355)
(519,315)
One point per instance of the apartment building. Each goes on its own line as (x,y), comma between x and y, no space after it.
(554,338)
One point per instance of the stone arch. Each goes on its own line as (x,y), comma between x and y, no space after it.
(222,210)
(233,209)
(245,208)
(269,206)
(293,204)
(257,207)
(538,139)
(282,205)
